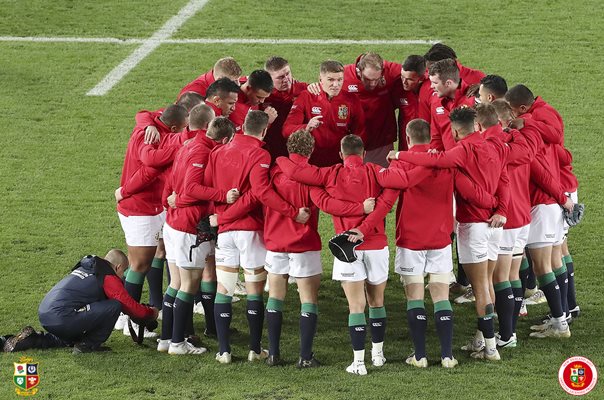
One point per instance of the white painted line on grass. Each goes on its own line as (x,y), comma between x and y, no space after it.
(148,46)
(213,41)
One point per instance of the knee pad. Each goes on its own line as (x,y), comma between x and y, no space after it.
(228,280)
(440,278)
(256,277)
(411,279)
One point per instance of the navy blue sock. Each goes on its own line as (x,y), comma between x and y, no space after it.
(377,322)
(572,294)
(182,305)
(550,288)
(418,323)
(486,326)
(518,297)
(155,279)
(357,329)
(504,304)
(308,329)
(274,321)
(167,313)
(255,320)
(223,313)
(562,279)
(208,297)
(443,317)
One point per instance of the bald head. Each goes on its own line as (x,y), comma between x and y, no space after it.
(117,257)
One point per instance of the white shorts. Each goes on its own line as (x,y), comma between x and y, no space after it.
(477,242)
(142,230)
(379,156)
(178,249)
(418,262)
(547,227)
(298,265)
(241,248)
(513,241)
(575,198)
(371,265)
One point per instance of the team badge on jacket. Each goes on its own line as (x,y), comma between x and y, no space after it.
(343,112)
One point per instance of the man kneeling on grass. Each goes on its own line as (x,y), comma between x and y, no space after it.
(81,309)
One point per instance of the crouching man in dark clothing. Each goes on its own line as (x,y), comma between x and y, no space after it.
(81,309)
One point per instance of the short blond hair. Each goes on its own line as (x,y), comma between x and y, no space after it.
(227,67)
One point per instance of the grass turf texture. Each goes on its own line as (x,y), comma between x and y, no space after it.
(63,154)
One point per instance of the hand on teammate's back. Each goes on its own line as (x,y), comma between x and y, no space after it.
(314,88)
(151,135)
(303,215)
(369,205)
(232,196)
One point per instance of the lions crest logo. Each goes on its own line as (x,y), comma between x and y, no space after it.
(26,377)
(343,111)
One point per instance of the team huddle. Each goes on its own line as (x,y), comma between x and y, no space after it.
(257,157)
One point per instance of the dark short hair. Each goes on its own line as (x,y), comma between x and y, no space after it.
(255,122)
(418,130)
(275,63)
(520,95)
(301,142)
(463,117)
(260,80)
(495,84)
(200,116)
(440,51)
(222,87)
(415,63)
(331,66)
(174,115)
(189,100)
(220,128)
(352,145)
(446,69)
(486,115)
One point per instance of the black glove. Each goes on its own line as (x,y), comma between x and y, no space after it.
(342,249)
(575,216)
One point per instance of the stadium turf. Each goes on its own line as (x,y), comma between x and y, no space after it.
(62,156)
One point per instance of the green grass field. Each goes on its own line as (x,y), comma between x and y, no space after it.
(63,151)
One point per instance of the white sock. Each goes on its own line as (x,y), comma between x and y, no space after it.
(490,345)
(359,356)
(377,347)
(560,323)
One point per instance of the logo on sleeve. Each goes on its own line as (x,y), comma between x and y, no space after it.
(264,165)
(315,110)
(353,88)
(404,102)
(198,165)
(440,110)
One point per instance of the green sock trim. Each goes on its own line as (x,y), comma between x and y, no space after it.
(254,297)
(524,264)
(208,287)
(492,315)
(567,259)
(135,277)
(184,296)
(158,263)
(356,319)
(377,312)
(516,284)
(274,304)
(560,271)
(126,271)
(546,279)
(170,291)
(223,299)
(443,305)
(411,304)
(502,285)
(309,308)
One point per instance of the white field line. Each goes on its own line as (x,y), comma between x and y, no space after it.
(212,41)
(148,46)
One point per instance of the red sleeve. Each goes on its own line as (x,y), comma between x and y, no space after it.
(154,157)
(333,206)
(194,187)
(451,158)
(296,119)
(473,193)
(144,119)
(549,132)
(521,151)
(395,178)
(544,180)
(304,173)
(564,156)
(436,141)
(503,193)
(263,191)
(244,205)
(114,289)
(383,205)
